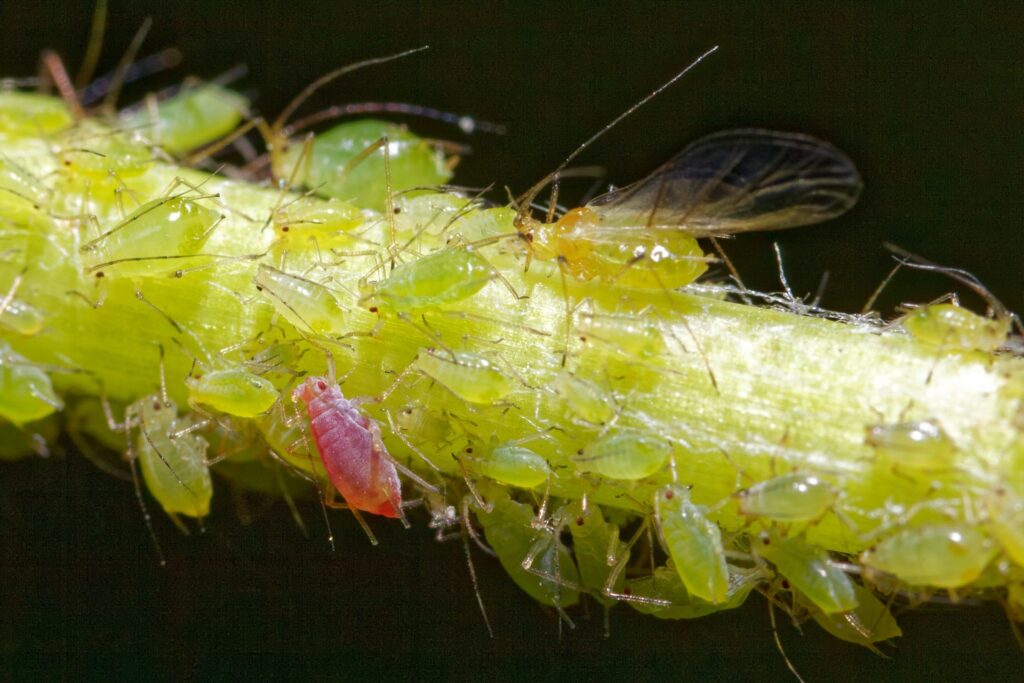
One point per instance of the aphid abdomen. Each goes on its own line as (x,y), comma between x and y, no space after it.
(515,465)
(470,377)
(350,447)
(914,446)
(694,543)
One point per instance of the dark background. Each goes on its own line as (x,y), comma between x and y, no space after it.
(928,99)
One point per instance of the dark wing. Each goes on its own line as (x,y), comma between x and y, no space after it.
(737,181)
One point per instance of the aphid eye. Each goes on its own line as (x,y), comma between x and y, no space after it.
(469,449)
(785,585)
(670,494)
(156,405)
(258,288)
(285,228)
(580,521)
(321,385)
(398,210)
(99,273)
(579,452)
(373,309)
(179,274)
(627,590)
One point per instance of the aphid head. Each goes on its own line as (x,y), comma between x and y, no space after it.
(310,389)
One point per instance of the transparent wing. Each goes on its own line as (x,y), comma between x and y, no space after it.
(737,181)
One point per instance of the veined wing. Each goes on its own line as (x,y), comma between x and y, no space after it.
(737,181)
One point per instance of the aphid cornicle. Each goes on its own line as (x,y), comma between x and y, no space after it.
(349,443)
(645,235)
(694,543)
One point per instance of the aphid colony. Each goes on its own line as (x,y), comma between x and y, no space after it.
(348,333)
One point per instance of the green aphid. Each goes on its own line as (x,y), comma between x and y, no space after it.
(809,569)
(633,336)
(694,543)
(597,547)
(509,530)
(314,224)
(234,391)
(173,466)
(192,118)
(628,455)
(1006,523)
(471,377)
(413,163)
(939,556)
(308,305)
(868,623)
(515,465)
(21,317)
(443,277)
(789,498)
(93,152)
(957,329)
(584,398)
(25,114)
(26,392)
(153,238)
(920,446)
(663,595)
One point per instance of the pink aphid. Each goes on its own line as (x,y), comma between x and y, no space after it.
(350,446)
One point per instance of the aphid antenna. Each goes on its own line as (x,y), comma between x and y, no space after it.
(996,308)
(528,197)
(131,458)
(467,124)
(778,642)
(465,533)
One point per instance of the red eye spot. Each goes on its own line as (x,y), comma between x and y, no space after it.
(99,273)
(579,452)
(627,591)
(321,385)
(670,494)
(156,405)
(469,449)
(785,585)
(580,521)
(373,309)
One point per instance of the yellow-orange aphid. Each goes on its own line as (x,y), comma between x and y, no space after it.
(940,555)
(645,235)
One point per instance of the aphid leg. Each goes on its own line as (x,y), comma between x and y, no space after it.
(619,565)
(464,534)
(316,480)
(778,642)
(11,291)
(130,456)
(735,274)
(472,532)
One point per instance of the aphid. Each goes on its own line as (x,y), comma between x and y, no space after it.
(920,446)
(24,114)
(587,400)
(349,443)
(663,595)
(597,548)
(868,623)
(325,224)
(645,235)
(633,335)
(19,316)
(191,118)
(957,329)
(95,153)
(788,499)
(26,392)
(627,454)
(440,278)
(809,568)
(173,464)
(940,555)
(694,543)
(337,168)
(24,441)
(471,377)
(1006,523)
(508,527)
(234,391)
(306,304)
(286,438)
(139,244)
(515,465)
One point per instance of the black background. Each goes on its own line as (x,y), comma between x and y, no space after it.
(927,98)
